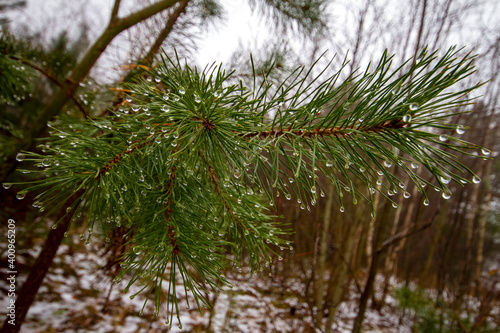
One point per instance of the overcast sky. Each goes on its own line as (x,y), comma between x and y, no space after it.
(240,27)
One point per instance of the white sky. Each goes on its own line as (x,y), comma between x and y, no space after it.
(50,17)
(241,27)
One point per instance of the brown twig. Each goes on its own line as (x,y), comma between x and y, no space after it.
(332,131)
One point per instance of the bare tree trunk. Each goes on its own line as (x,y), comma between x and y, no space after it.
(420,30)
(342,280)
(390,263)
(323,246)
(365,296)
(37,273)
(172,19)
(371,229)
(484,213)
(473,201)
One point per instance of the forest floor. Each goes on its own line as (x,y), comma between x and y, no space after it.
(76,297)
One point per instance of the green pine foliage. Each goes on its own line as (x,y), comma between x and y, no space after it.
(14,77)
(192,161)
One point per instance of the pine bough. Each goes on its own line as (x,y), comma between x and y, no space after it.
(191,162)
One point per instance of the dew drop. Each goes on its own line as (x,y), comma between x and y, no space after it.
(290,180)
(66,234)
(280,258)
(329,164)
(460,129)
(407,118)
(313,189)
(446,195)
(485,152)
(322,194)
(394,205)
(20,157)
(446,179)
(129,99)
(288,197)
(414,107)
(406,195)
(414,165)
(182,91)
(6,185)
(20,195)
(476,180)
(197,98)
(387,164)
(442,138)
(157,79)
(379,182)
(166,97)
(426,202)
(362,169)
(46,162)
(342,209)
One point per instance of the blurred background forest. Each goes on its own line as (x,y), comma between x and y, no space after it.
(422,267)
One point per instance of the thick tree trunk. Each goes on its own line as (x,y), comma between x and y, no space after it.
(35,278)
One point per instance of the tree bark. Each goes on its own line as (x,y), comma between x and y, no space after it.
(148,59)
(367,291)
(323,246)
(342,281)
(28,291)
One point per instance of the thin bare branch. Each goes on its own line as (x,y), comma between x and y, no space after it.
(114,12)
(172,19)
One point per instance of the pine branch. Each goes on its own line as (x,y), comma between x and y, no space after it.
(191,164)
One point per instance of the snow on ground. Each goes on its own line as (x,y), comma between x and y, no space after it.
(76,297)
